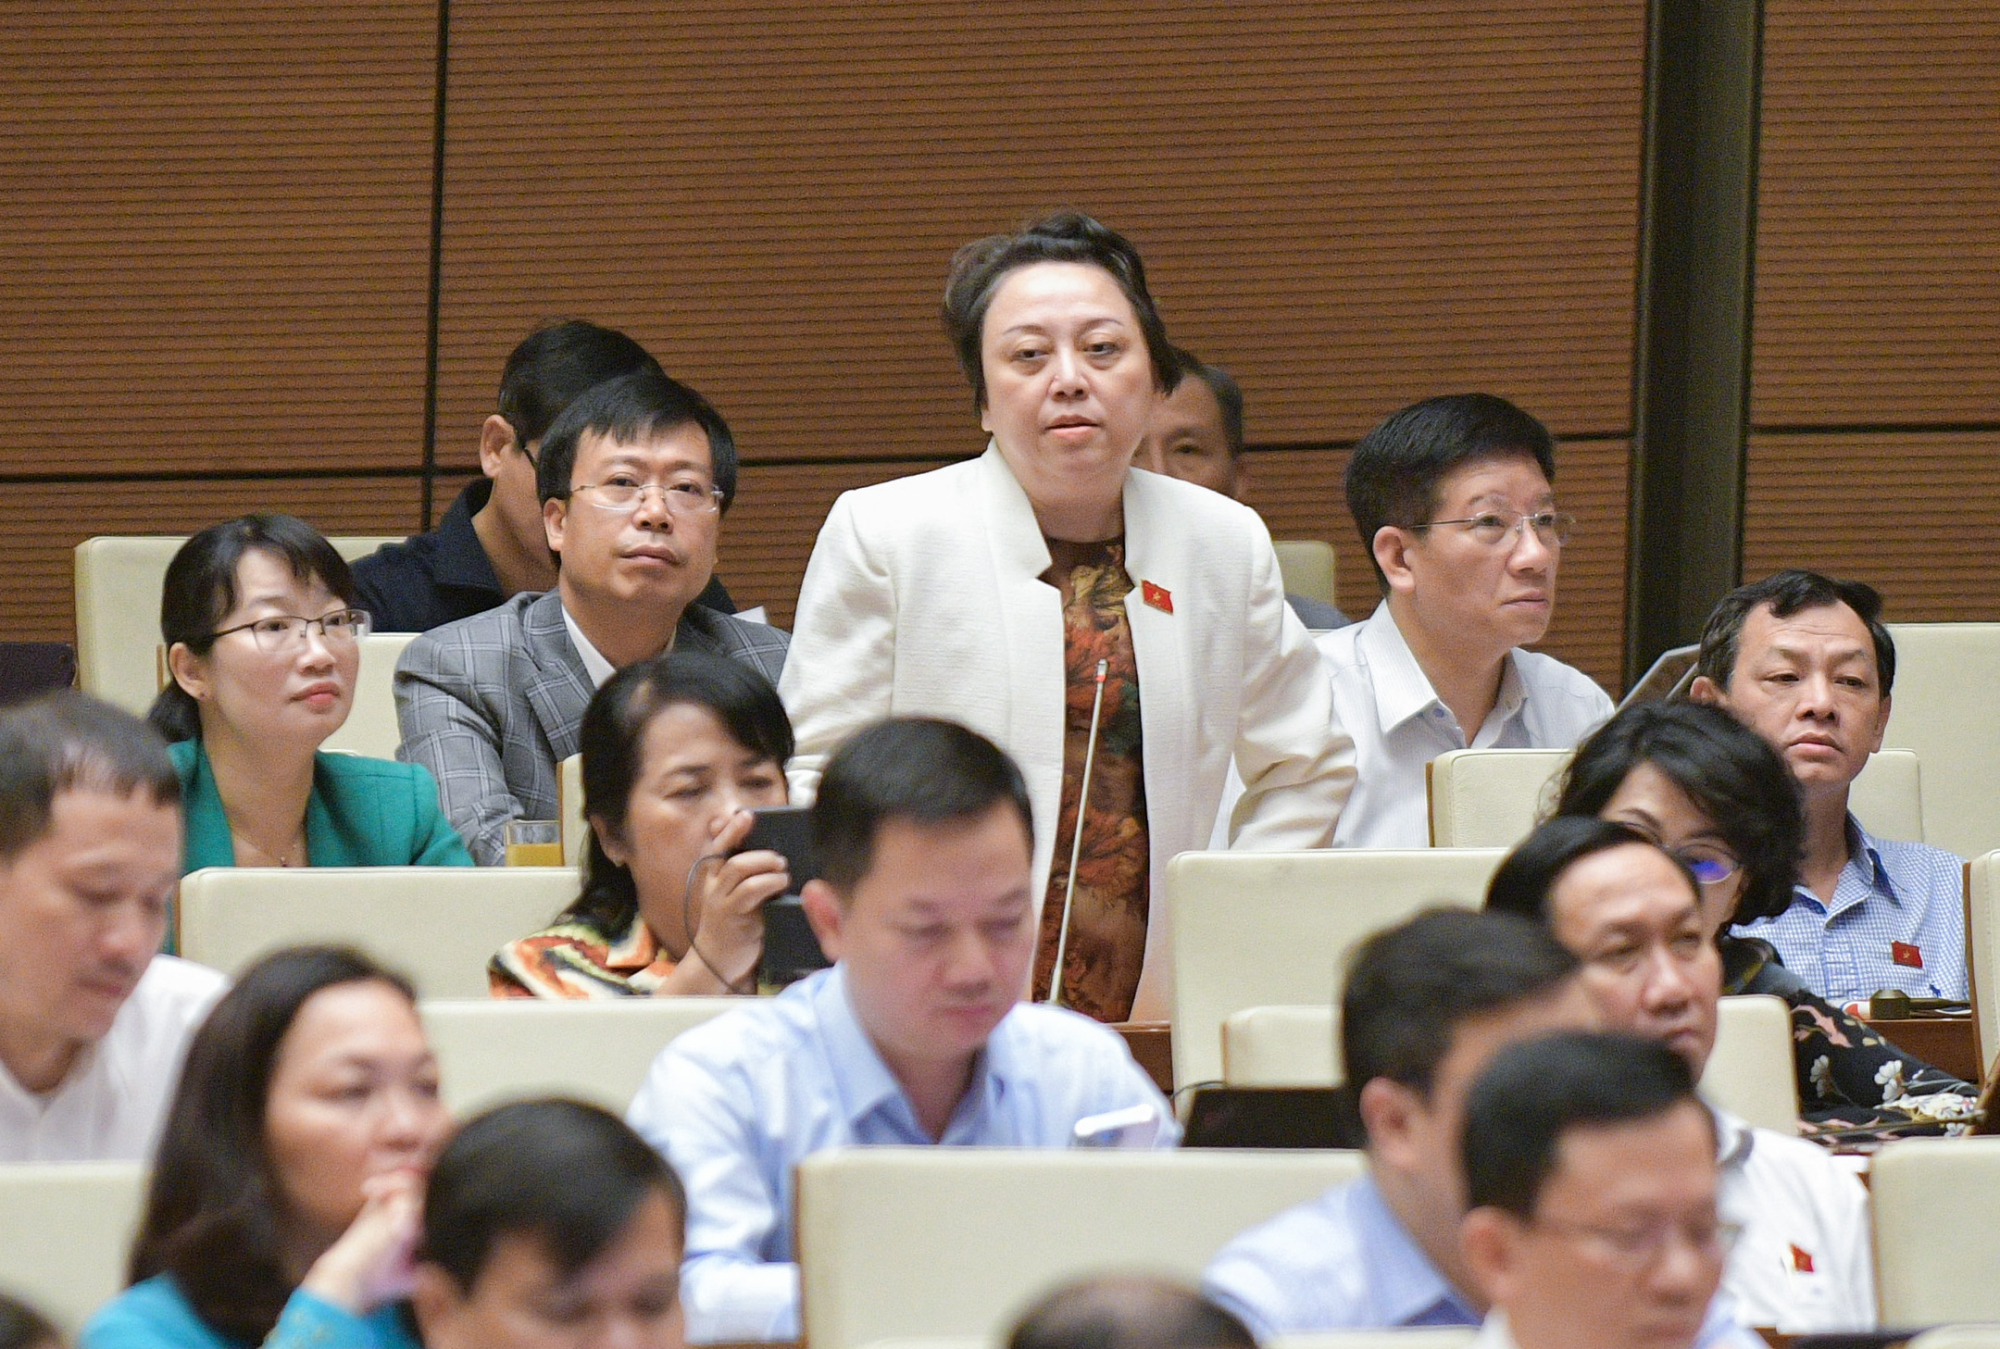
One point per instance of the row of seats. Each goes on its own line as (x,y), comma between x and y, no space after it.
(118,583)
(887,1256)
(1239,1015)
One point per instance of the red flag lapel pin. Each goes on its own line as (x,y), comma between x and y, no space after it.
(1906,954)
(1802,1261)
(1159,597)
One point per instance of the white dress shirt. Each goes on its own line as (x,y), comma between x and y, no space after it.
(599,669)
(111,1105)
(1804,1263)
(737,1103)
(1383,699)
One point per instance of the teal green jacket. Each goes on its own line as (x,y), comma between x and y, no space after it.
(362,813)
(155,1315)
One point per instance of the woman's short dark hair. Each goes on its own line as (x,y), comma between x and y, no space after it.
(612,741)
(1728,771)
(1066,236)
(568,1174)
(1529,873)
(200,590)
(212,1217)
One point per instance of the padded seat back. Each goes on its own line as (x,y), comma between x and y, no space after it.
(438,925)
(1306,566)
(1750,1073)
(1982,951)
(506,1049)
(1263,929)
(569,795)
(886,1249)
(66,1232)
(1943,709)
(1937,1225)
(119,578)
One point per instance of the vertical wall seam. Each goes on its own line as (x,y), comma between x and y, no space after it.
(435,299)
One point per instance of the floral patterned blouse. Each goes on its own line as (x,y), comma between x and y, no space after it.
(575,957)
(1851,1080)
(1107,924)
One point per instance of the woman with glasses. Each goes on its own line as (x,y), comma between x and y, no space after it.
(1711,792)
(263,645)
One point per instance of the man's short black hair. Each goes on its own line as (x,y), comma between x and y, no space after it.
(628,408)
(1537,1090)
(69,741)
(1409,988)
(1128,1311)
(1228,394)
(1789,592)
(907,768)
(1396,472)
(1528,874)
(554,364)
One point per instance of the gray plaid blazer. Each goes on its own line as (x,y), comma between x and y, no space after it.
(493,703)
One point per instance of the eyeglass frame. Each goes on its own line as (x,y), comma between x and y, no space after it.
(1562,522)
(1732,862)
(365,626)
(715,497)
(1644,1253)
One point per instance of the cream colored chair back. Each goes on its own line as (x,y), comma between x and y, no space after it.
(1306,565)
(569,798)
(1975,1336)
(118,584)
(1943,709)
(502,1050)
(1418,1337)
(886,1250)
(1982,951)
(66,1232)
(1937,1226)
(1750,1073)
(1492,798)
(1263,929)
(438,925)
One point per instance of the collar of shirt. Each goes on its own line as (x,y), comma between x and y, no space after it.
(868,1089)
(1865,869)
(1406,1287)
(594,664)
(1403,691)
(458,558)
(1734,1139)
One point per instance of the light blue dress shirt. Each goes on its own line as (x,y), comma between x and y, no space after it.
(155,1315)
(737,1103)
(1891,899)
(1343,1261)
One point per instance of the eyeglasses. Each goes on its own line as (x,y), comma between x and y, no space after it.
(1711,864)
(277,633)
(1640,1248)
(1496,528)
(681,498)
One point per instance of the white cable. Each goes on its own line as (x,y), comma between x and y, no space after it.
(1076,841)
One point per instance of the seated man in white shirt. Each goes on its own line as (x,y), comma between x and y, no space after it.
(1455,503)
(1632,914)
(93,1024)
(1804,661)
(1590,1167)
(917,1035)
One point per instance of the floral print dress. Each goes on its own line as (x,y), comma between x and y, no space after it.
(1107,921)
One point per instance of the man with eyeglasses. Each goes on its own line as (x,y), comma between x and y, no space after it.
(490,544)
(1454,501)
(1590,1167)
(633,478)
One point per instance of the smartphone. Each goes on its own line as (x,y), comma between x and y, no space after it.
(791,950)
(1136,1126)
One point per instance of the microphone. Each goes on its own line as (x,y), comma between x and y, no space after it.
(1076,838)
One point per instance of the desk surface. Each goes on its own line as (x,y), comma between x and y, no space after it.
(1947,1042)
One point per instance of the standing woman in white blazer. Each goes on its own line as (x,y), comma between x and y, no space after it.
(989,591)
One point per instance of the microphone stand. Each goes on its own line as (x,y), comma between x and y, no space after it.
(1076,840)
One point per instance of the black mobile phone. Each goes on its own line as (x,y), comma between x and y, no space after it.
(791,951)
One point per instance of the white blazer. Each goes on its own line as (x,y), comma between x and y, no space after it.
(923,597)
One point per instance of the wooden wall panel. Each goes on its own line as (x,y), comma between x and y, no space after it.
(1299,494)
(1878,260)
(216,238)
(1351,206)
(48,520)
(1911,514)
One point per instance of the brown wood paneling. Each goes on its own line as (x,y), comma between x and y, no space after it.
(48,520)
(217,234)
(1352,206)
(1299,494)
(1912,515)
(1878,261)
